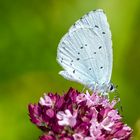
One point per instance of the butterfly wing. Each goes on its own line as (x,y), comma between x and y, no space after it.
(69,56)
(83,51)
(98,21)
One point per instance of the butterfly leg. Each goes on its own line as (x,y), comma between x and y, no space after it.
(83,89)
(105,95)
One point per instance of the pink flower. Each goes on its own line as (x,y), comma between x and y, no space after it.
(66,118)
(77,136)
(78,116)
(95,129)
(47,137)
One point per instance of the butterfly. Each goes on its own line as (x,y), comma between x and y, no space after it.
(85,52)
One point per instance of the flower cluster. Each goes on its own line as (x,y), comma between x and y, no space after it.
(78,116)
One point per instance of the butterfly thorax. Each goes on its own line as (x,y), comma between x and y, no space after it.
(102,88)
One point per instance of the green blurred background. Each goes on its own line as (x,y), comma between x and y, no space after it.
(30,31)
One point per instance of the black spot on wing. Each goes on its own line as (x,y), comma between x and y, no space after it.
(100,47)
(78,59)
(101,67)
(94,52)
(103,32)
(87,13)
(94,10)
(74,24)
(96,26)
(81,47)
(61,60)
(60,51)
(64,47)
(73,71)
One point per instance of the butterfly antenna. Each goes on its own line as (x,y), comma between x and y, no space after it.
(117,97)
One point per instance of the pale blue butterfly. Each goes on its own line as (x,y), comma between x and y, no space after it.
(85,52)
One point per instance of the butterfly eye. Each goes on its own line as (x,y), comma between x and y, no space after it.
(111,87)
